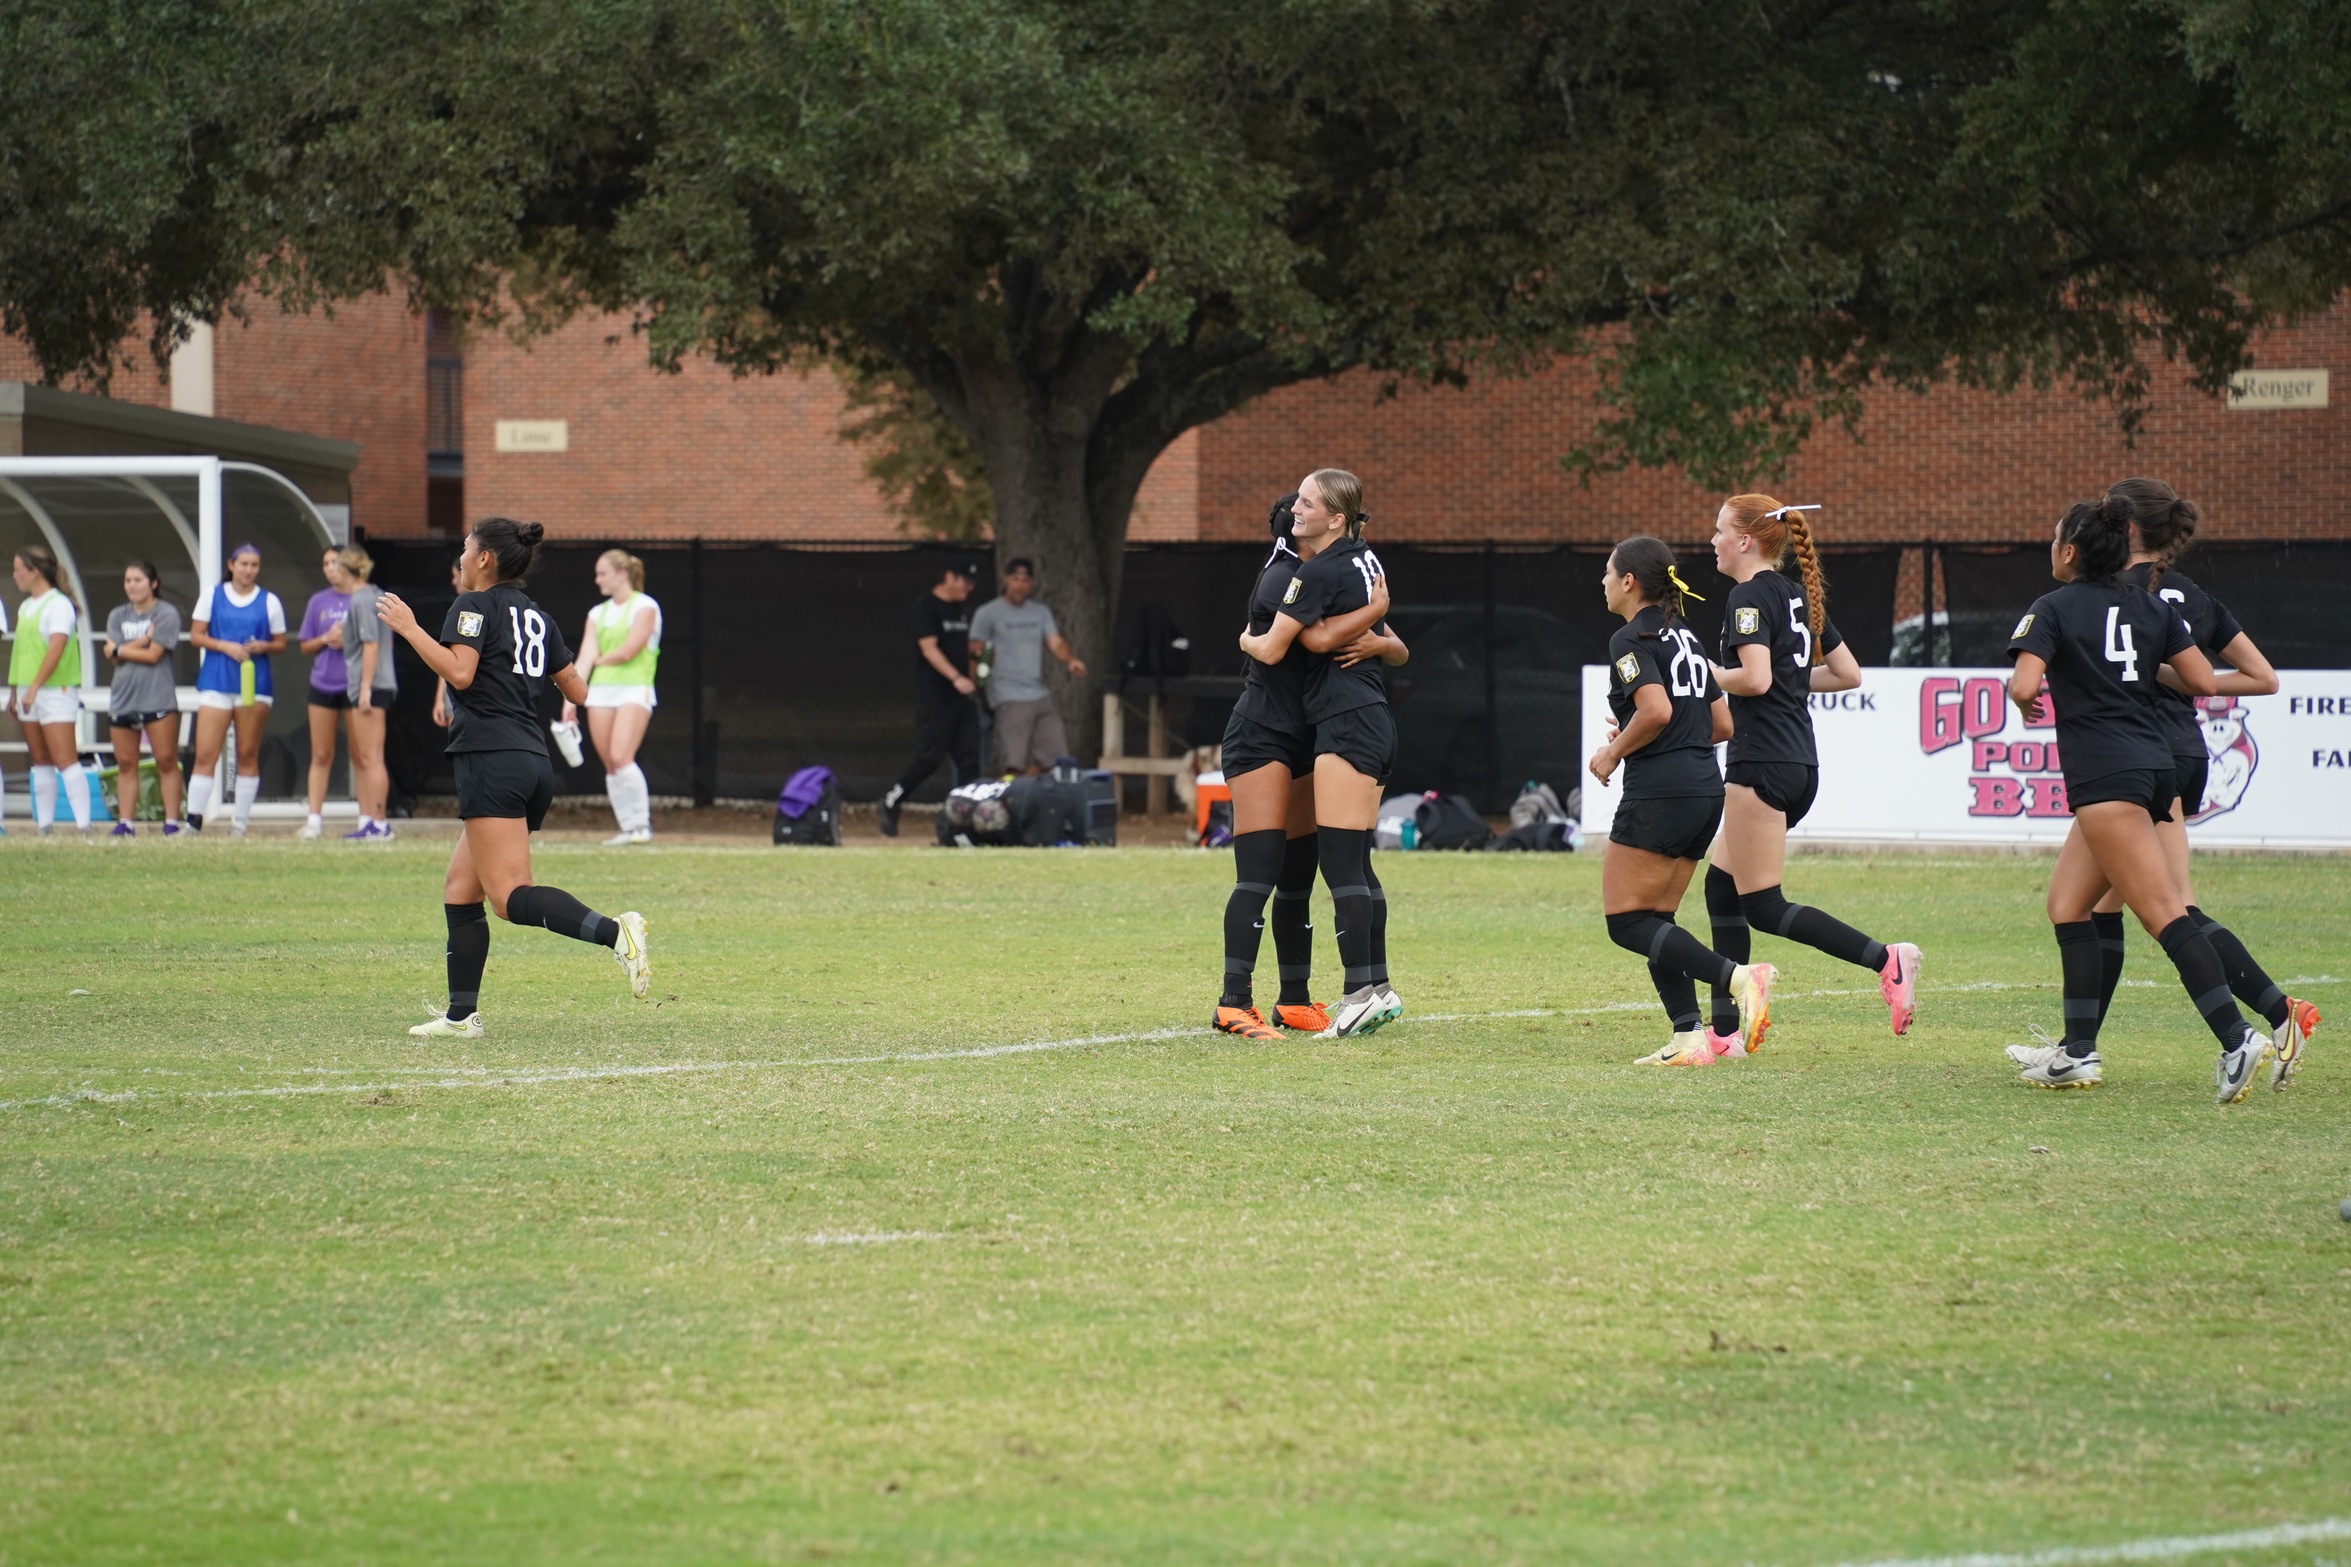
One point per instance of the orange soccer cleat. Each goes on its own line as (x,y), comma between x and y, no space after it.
(1246,1022)
(1305,1017)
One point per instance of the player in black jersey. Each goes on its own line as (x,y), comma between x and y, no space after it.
(1668,714)
(1354,733)
(1269,767)
(2099,642)
(498,651)
(1778,647)
(2162,527)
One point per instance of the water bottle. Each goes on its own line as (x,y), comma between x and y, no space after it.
(567,740)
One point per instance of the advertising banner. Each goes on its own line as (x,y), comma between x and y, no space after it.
(1942,755)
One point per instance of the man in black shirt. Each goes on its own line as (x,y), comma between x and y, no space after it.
(946,723)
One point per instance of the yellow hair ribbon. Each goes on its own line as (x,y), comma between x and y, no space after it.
(1674,576)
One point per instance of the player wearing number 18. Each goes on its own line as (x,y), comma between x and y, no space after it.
(498,651)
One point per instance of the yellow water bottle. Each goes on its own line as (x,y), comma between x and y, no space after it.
(245,683)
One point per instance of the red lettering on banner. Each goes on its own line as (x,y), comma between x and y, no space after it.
(1997,797)
(1938,714)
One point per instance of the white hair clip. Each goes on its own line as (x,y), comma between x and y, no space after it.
(1774,516)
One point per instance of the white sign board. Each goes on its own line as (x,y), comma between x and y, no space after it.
(2265,389)
(1942,755)
(534,435)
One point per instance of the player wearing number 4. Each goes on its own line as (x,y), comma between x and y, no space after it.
(497,651)
(1778,647)
(1667,715)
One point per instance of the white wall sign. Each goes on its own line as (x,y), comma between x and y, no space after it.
(2260,390)
(534,435)
(1942,755)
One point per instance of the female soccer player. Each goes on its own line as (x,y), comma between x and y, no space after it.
(618,651)
(45,669)
(373,685)
(497,650)
(1778,647)
(320,637)
(2100,641)
(140,636)
(238,624)
(2162,527)
(1354,733)
(1668,715)
(1269,767)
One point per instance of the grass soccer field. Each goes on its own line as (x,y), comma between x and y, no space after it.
(923,1221)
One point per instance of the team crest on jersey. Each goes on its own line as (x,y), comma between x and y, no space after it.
(469,623)
(1291,596)
(2022,627)
(1747,621)
(1628,669)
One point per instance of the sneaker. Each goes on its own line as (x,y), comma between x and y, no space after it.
(195,824)
(1247,1022)
(1362,1011)
(238,829)
(1725,1044)
(1898,983)
(123,830)
(2233,1073)
(2059,1070)
(438,1026)
(173,829)
(2301,1022)
(1689,1049)
(1751,988)
(2029,1055)
(1305,1017)
(373,832)
(621,840)
(311,832)
(629,952)
(885,814)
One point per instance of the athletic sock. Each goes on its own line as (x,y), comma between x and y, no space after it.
(200,790)
(75,781)
(1257,865)
(2078,967)
(1679,993)
(1343,870)
(44,796)
(561,913)
(1768,909)
(1731,938)
(1293,919)
(616,794)
(2207,982)
(2247,979)
(469,954)
(248,791)
(314,821)
(2110,954)
(1655,939)
(640,799)
(1379,918)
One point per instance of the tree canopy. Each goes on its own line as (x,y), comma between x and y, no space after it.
(1082,229)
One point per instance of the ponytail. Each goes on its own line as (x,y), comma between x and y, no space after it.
(1342,492)
(2166,523)
(1816,588)
(1650,563)
(2100,532)
(1776,529)
(41,559)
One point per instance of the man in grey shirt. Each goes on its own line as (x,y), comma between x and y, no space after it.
(1010,636)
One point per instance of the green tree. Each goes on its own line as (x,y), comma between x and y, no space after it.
(1081,229)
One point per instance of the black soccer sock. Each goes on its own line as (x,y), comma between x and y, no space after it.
(1343,872)
(1293,919)
(2077,968)
(561,913)
(2247,979)
(1731,938)
(1379,918)
(468,954)
(2110,953)
(1769,910)
(1656,939)
(1257,861)
(2207,981)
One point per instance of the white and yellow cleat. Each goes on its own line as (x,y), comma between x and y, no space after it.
(629,952)
(1751,988)
(438,1026)
(1689,1049)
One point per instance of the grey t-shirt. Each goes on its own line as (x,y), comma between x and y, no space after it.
(1015,635)
(145,688)
(360,627)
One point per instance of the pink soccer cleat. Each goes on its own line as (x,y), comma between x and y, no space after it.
(1898,983)
(1724,1044)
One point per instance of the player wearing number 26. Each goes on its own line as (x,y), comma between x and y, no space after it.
(499,652)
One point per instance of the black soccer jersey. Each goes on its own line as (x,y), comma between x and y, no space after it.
(1275,694)
(1768,611)
(519,647)
(951,624)
(1649,651)
(2103,642)
(2212,627)
(1336,582)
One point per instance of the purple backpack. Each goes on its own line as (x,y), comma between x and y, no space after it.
(809,809)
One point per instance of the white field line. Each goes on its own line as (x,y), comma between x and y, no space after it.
(526,1077)
(2166,1549)
(870,1237)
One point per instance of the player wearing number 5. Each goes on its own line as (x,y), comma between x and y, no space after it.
(498,652)
(1778,647)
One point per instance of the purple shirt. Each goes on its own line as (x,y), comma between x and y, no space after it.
(325,614)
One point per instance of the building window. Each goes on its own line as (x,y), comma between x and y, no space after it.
(444,421)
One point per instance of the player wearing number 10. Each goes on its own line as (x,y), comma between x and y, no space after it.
(498,651)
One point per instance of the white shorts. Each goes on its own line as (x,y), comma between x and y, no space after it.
(622,696)
(227,701)
(49,705)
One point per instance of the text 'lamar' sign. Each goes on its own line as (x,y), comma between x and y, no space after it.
(1942,755)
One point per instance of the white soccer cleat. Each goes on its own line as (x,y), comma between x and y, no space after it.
(1361,1011)
(2289,1038)
(629,952)
(621,840)
(2060,1070)
(438,1026)
(2233,1074)
(1689,1049)
(2034,1055)
(309,832)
